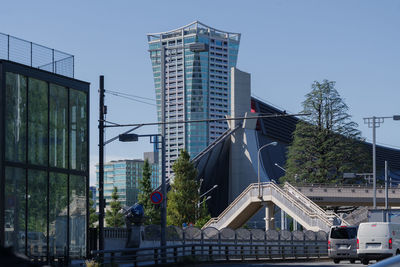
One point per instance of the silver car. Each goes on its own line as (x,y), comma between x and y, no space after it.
(342,243)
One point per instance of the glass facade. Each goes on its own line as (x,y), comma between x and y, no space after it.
(196,84)
(44,163)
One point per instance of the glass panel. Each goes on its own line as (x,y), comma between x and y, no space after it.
(58,126)
(77,218)
(58,214)
(37,213)
(37,119)
(15,115)
(78,128)
(14,210)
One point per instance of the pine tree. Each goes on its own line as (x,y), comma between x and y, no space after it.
(151,211)
(114,218)
(327,143)
(183,196)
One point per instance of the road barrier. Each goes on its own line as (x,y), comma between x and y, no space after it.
(194,245)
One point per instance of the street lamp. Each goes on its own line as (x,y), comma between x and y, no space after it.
(280,167)
(208,191)
(258,165)
(199,204)
(375,122)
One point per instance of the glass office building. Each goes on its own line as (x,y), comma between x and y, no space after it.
(44,162)
(192,64)
(125,176)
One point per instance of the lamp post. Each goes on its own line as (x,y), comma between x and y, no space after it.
(280,167)
(199,204)
(258,165)
(375,122)
(208,191)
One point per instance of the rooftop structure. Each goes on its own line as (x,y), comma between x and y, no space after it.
(36,55)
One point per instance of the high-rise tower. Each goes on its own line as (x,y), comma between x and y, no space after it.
(191,65)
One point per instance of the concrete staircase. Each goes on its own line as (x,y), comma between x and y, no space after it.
(288,198)
(358,216)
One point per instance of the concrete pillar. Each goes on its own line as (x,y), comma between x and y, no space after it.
(269,216)
(283,221)
(295,225)
(241,171)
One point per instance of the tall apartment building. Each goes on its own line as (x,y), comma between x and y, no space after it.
(125,175)
(191,66)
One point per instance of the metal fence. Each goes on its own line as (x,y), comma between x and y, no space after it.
(194,234)
(211,234)
(35,55)
(210,244)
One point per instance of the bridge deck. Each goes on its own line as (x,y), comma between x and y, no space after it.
(332,195)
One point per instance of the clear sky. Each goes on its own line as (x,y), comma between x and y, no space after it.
(285,45)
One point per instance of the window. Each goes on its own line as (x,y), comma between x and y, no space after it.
(37,122)
(15,117)
(58,144)
(78,125)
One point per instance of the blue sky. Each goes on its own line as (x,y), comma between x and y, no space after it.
(285,45)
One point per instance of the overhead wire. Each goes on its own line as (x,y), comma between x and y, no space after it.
(131,97)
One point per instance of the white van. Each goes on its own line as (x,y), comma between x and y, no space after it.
(377,240)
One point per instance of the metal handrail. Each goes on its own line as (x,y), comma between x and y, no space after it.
(361,186)
(237,199)
(260,250)
(315,206)
(306,209)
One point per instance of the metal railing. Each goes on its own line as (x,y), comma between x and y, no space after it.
(364,185)
(308,202)
(313,217)
(221,251)
(35,55)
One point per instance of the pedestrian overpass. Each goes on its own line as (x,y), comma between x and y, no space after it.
(302,203)
(266,195)
(349,195)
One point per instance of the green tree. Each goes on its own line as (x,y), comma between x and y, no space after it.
(151,211)
(183,196)
(327,143)
(114,218)
(93,217)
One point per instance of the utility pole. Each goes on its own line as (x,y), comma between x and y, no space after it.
(386,186)
(375,122)
(101,164)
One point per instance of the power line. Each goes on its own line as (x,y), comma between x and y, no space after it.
(207,120)
(130,95)
(130,98)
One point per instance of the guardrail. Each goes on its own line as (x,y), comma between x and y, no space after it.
(211,251)
(393,186)
(305,200)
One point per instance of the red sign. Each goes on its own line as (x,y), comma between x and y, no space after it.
(156,197)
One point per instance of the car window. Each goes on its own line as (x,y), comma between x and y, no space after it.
(344,233)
